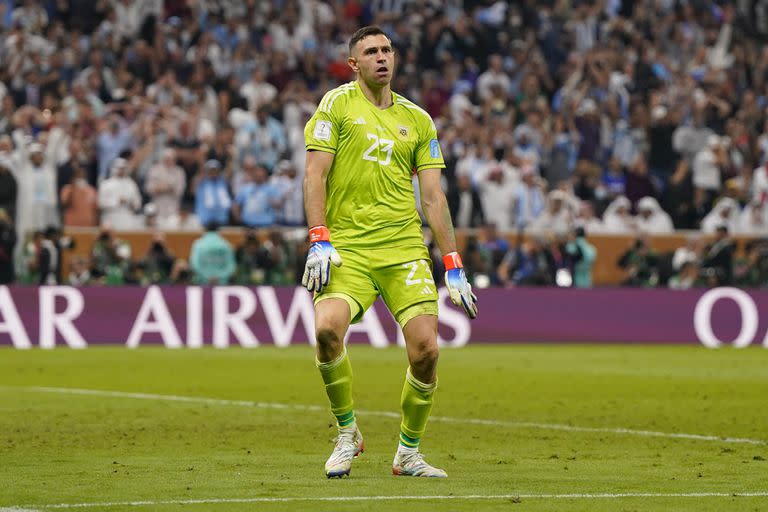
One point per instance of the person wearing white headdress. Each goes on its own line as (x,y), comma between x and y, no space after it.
(557,218)
(617,219)
(586,219)
(753,220)
(651,218)
(725,213)
(119,198)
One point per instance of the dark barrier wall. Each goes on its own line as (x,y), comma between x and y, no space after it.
(232,315)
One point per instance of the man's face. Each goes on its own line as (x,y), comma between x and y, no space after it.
(374,59)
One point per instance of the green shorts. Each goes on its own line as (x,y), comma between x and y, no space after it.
(402,276)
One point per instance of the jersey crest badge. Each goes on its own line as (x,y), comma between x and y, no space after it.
(434,148)
(403,131)
(323,129)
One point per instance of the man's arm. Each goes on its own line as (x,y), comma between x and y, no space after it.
(315,175)
(435,208)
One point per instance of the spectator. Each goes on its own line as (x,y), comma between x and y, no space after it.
(639,182)
(498,183)
(165,184)
(8,190)
(119,198)
(36,200)
(760,181)
(529,198)
(257,90)
(707,167)
(583,254)
(678,197)
(614,180)
(585,218)
(114,137)
(212,199)
(7,245)
(725,213)
(79,201)
(291,188)
(465,204)
(255,204)
(651,219)
(753,220)
(617,219)
(557,218)
(263,137)
(212,259)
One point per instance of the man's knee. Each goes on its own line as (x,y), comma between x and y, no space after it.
(425,353)
(329,333)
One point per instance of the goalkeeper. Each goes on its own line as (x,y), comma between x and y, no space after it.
(364,143)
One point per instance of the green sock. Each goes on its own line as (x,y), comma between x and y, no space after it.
(416,403)
(337,375)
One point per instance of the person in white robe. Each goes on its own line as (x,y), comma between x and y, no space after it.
(725,213)
(651,219)
(119,198)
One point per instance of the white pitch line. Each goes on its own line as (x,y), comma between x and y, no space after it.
(570,496)
(389,414)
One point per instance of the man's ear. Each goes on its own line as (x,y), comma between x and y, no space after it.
(352,62)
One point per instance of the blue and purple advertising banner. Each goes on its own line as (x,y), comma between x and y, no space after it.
(234,315)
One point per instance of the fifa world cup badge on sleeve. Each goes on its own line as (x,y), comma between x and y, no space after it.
(434,148)
(323,129)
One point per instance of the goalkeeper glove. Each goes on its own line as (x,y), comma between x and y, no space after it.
(317,270)
(458,287)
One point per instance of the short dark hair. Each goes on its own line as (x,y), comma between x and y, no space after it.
(370,30)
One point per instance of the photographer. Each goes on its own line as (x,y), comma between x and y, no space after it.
(49,258)
(718,257)
(641,264)
(158,261)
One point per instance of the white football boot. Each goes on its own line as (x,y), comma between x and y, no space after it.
(409,462)
(349,445)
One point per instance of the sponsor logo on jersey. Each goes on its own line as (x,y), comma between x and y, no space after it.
(323,129)
(434,148)
(359,120)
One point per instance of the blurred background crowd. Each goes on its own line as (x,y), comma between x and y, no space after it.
(557,119)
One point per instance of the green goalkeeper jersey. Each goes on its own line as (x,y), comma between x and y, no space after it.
(369,193)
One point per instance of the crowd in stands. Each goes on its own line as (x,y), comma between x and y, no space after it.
(557,118)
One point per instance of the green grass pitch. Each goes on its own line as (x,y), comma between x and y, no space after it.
(547,421)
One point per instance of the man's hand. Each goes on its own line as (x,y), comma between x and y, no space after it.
(458,287)
(317,270)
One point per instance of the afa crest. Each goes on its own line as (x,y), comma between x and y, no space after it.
(403,131)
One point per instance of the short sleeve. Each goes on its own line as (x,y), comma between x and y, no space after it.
(428,153)
(322,130)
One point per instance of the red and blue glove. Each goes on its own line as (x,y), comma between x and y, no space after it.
(458,287)
(317,270)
